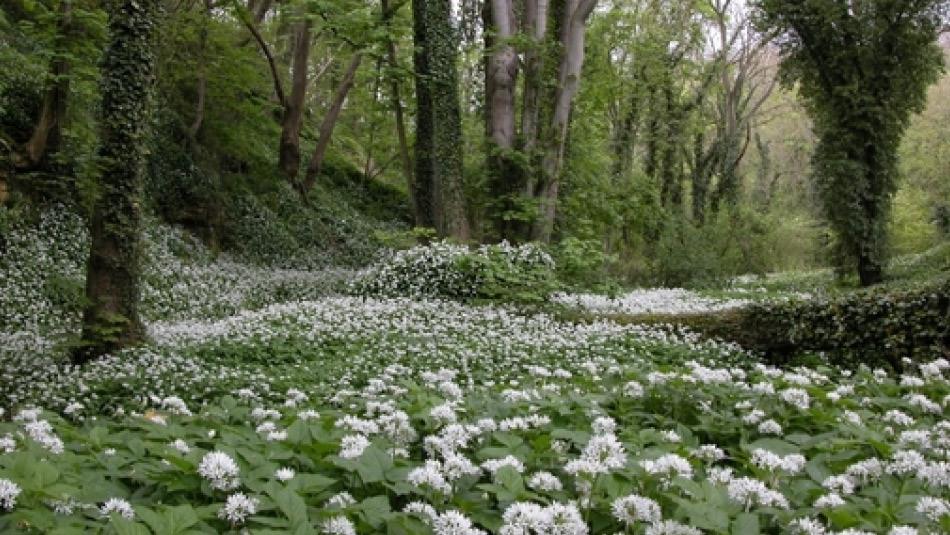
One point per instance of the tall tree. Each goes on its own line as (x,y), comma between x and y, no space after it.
(288,155)
(501,79)
(292,104)
(439,181)
(745,82)
(525,176)
(111,318)
(328,123)
(863,68)
(394,83)
(569,22)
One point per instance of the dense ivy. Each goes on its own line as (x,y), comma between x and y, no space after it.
(875,326)
(112,284)
(862,71)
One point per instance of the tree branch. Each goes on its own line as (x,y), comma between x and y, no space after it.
(271,62)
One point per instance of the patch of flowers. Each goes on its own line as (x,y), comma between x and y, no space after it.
(42,272)
(338,343)
(414,449)
(444,269)
(650,301)
(363,415)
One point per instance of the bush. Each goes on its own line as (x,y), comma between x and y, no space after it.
(730,243)
(877,326)
(583,263)
(523,273)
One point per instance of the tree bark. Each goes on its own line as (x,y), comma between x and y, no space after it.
(329,122)
(424,172)
(111,319)
(404,157)
(439,119)
(501,77)
(48,132)
(288,156)
(572,23)
(535,27)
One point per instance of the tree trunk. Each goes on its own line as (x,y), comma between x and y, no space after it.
(404,156)
(700,177)
(501,77)
(202,85)
(535,27)
(439,130)
(111,319)
(452,218)
(288,157)
(48,131)
(571,23)
(329,122)
(871,245)
(424,179)
(626,137)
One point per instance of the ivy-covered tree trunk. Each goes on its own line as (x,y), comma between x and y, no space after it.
(439,127)
(862,69)
(424,173)
(111,319)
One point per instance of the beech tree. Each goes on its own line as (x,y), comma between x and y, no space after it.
(863,67)
(111,318)
(525,167)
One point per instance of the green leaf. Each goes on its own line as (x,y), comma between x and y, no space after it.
(705,516)
(375,510)
(510,479)
(406,525)
(372,464)
(155,521)
(746,524)
(290,504)
(127,527)
(180,518)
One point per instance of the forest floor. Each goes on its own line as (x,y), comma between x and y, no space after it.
(269,399)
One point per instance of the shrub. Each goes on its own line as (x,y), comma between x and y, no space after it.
(583,263)
(523,273)
(877,326)
(729,244)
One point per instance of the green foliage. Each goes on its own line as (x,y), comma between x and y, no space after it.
(523,273)
(630,402)
(276,229)
(734,243)
(861,71)
(877,326)
(582,263)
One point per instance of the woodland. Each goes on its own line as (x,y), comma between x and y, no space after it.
(460,267)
